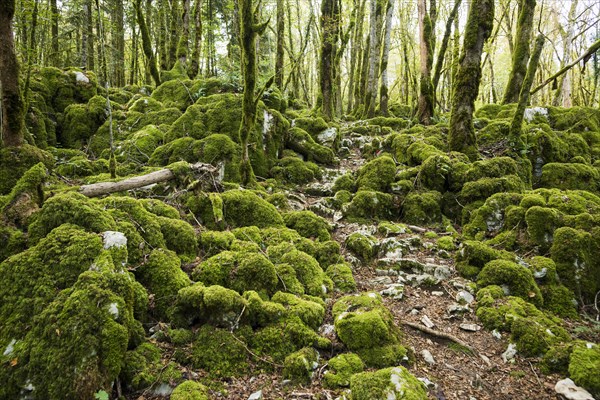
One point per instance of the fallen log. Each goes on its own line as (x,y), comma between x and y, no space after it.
(197,170)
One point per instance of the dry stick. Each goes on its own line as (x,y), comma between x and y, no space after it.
(254,354)
(441,335)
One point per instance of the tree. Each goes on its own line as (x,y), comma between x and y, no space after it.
(279,47)
(249,30)
(146,44)
(468,77)
(330,25)
(521,52)
(426,94)
(372,76)
(12,102)
(383,90)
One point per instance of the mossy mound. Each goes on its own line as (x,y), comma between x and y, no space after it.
(341,275)
(308,224)
(190,390)
(15,161)
(422,208)
(221,352)
(362,245)
(341,369)
(295,171)
(143,368)
(366,327)
(584,363)
(368,204)
(377,174)
(234,208)
(396,383)
(301,142)
(516,278)
(299,366)
(308,271)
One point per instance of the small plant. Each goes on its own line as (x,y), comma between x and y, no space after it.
(101,395)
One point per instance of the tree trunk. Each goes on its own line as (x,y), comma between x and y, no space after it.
(118,44)
(12,103)
(468,77)
(249,30)
(279,72)
(329,36)
(356,50)
(521,53)
(517,122)
(426,94)
(89,37)
(54,55)
(146,43)
(174,22)
(183,45)
(163,36)
(444,46)
(376,21)
(383,91)
(563,93)
(197,44)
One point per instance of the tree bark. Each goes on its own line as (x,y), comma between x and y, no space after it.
(146,44)
(468,77)
(12,102)
(444,46)
(183,45)
(279,72)
(54,55)
(517,122)
(163,175)
(329,37)
(426,94)
(197,44)
(563,93)
(174,22)
(387,35)
(376,21)
(521,52)
(118,44)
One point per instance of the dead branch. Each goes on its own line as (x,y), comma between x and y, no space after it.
(441,335)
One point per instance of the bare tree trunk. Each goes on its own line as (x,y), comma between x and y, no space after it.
(118,44)
(521,53)
(376,21)
(466,86)
(426,94)
(355,52)
(563,93)
(55,55)
(174,22)
(12,103)
(330,25)
(383,91)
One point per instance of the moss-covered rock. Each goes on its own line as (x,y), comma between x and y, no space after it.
(163,277)
(570,176)
(301,142)
(308,224)
(214,242)
(310,312)
(341,369)
(474,255)
(308,271)
(81,121)
(190,390)
(221,352)
(516,278)
(363,246)
(368,204)
(15,161)
(341,275)
(377,174)
(240,271)
(234,208)
(422,208)
(387,383)
(583,365)
(294,170)
(299,366)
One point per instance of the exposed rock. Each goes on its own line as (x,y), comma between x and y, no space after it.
(570,391)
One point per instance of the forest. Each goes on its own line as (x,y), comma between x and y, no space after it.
(299,199)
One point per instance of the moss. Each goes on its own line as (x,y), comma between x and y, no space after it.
(220,352)
(422,208)
(377,174)
(574,252)
(294,170)
(477,254)
(583,366)
(446,243)
(15,161)
(261,313)
(560,300)
(308,224)
(341,369)
(139,146)
(313,126)
(240,271)
(288,280)
(299,366)
(301,142)
(81,121)
(363,246)
(310,313)
(248,233)
(181,337)
(394,382)
(160,208)
(386,228)
(308,272)
(344,182)
(341,275)
(570,176)
(483,188)
(239,208)
(142,367)
(214,242)
(556,359)
(14,241)
(517,278)
(176,93)
(180,237)
(190,390)
(327,253)
(371,205)
(541,224)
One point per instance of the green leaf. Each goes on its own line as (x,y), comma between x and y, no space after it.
(101,395)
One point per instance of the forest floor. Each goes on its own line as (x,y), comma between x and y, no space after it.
(456,372)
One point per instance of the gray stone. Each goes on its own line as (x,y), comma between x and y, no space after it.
(428,357)
(510,352)
(256,395)
(464,297)
(395,291)
(571,391)
(470,327)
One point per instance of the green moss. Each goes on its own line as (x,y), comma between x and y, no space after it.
(422,208)
(139,146)
(178,93)
(584,364)
(181,337)
(240,271)
(362,245)
(294,170)
(308,272)
(261,313)
(517,278)
(327,253)
(220,352)
(560,300)
(310,313)
(142,367)
(313,126)
(341,275)
(308,224)
(483,188)
(477,254)
(288,280)
(341,369)
(238,208)
(367,204)
(446,243)
(81,121)
(394,382)
(570,176)
(556,359)
(214,242)
(299,366)
(574,252)
(301,142)
(344,182)
(190,390)
(180,237)
(377,174)
(15,161)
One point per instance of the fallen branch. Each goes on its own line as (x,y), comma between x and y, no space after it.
(163,175)
(441,335)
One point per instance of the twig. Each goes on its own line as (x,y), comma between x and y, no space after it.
(254,354)
(441,335)
(535,373)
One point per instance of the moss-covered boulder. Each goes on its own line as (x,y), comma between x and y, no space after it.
(422,208)
(299,366)
(570,176)
(518,280)
(362,245)
(296,171)
(377,174)
(308,271)
(234,208)
(366,327)
(584,363)
(190,390)
(308,224)
(221,352)
(396,383)
(15,161)
(341,369)
(301,142)
(341,275)
(143,368)
(368,204)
